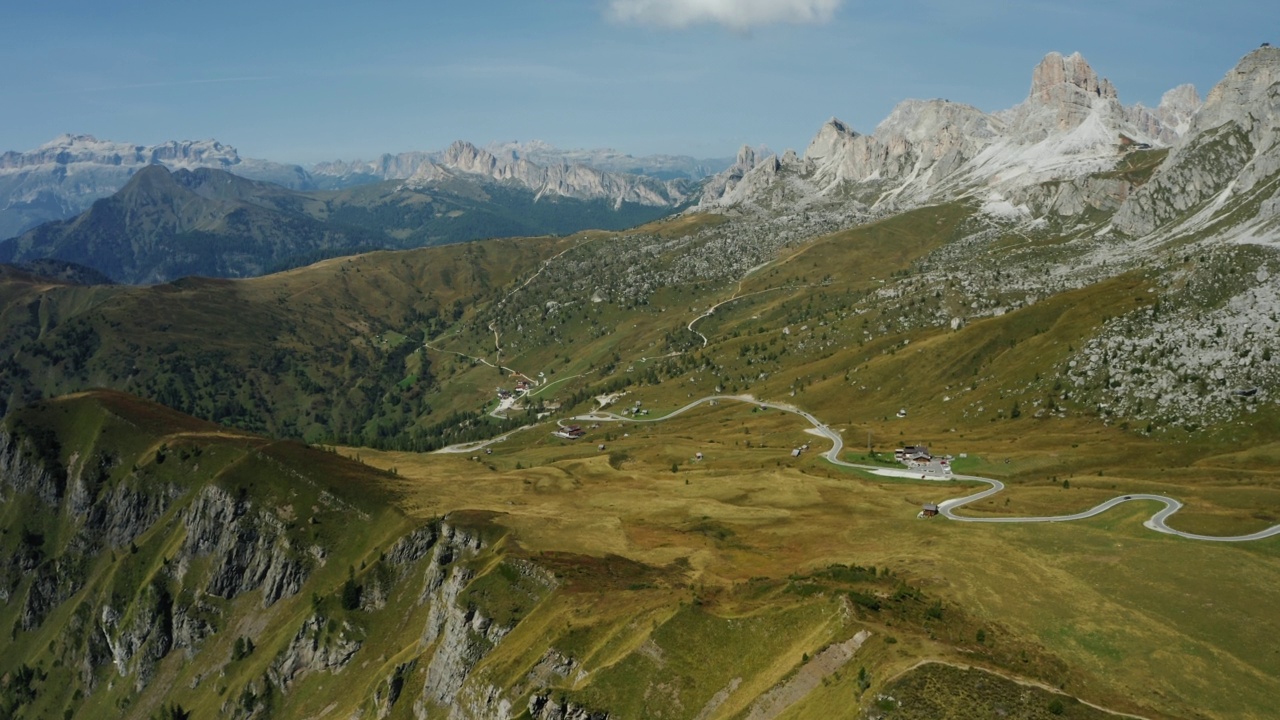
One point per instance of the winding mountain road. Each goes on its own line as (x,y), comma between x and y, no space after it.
(948,507)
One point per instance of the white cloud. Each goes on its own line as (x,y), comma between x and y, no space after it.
(735,14)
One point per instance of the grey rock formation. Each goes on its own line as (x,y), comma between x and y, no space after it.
(546,707)
(1065,92)
(249,547)
(1069,127)
(140,634)
(1231,147)
(30,465)
(1171,119)
(318,646)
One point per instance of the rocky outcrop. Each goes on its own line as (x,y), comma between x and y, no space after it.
(52,583)
(719,190)
(249,546)
(1171,119)
(1231,147)
(1072,198)
(461,636)
(1065,92)
(30,464)
(123,514)
(320,645)
(140,633)
(386,696)
(548,707)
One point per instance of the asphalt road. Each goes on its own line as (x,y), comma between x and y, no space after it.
(948,507)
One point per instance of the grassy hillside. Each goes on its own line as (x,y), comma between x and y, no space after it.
(155,522)
(325,351)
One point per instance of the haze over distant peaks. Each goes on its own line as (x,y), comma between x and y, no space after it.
(663,167)
(65,175)
(553,180)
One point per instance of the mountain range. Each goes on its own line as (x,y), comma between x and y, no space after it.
(1071,126)
(164,225)
(64,176)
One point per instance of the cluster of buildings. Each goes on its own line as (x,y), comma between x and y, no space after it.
(919,457)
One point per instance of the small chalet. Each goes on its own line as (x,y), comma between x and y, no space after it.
(913,455)
(570,432)
(929,510)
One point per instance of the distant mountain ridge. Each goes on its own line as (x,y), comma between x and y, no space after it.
(402,166)
(563,181)
(164,225)
(64,176)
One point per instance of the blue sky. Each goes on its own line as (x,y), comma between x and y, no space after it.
(308,81)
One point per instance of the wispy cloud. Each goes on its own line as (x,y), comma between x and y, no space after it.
(739,15)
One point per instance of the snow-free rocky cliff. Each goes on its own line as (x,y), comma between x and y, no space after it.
(64,176)
(1071,125)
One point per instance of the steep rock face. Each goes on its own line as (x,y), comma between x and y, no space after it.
(1071,198)
(719,188)
(315,648)
(1065,91)
(545,707)
(462,635)
(1231,147)
(1171,119)
(401,166)
(30,465)
(662,167)
(249,547)
(140,634)
(916,148)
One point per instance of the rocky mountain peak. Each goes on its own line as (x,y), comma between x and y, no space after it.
(832,136)
(1171,119)
(1065,94)
(469,158)
(1184,99)
(66,140)
(1253,84)
(1057,74)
